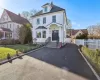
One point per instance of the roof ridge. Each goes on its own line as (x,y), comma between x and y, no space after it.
(14,14)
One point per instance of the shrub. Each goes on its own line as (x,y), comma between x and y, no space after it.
(9,42)
(82,36)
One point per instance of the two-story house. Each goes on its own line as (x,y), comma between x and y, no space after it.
(11,21)
(50,22)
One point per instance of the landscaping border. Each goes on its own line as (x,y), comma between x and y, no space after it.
(20,56)
(93,70)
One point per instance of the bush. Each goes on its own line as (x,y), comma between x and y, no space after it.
(9,42)
(82,36)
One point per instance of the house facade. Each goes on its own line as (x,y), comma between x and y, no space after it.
(78,32)
(50,22)
(12,21)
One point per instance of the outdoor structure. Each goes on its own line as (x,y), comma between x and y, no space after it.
(50,22)
(77,32)
(12,21)
(5,33)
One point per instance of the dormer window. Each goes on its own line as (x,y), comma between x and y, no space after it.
(45,9)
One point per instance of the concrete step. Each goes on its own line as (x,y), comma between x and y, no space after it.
(53,45)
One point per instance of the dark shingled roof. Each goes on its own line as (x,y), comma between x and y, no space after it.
(17,18)
(53,9)
(41,27)
(6,29)
(46,4)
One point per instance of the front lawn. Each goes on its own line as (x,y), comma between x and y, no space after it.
(22,48)
(11,49)
(5,51)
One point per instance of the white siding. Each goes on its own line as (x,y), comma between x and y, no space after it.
(59,19)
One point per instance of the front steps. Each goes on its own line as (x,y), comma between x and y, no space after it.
(53,45)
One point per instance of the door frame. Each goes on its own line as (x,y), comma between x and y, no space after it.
(51,35)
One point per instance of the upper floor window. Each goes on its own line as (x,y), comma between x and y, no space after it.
(54,19)
(10,25)
(45,9)
(38,21)
(44,20)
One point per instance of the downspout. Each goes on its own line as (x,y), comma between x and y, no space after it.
(63,28)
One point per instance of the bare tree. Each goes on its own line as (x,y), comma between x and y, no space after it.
(28,14)
(94,31)
(69,27)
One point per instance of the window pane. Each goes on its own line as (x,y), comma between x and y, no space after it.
(44,20)
(54,19)
(38,21)
(44,34)
(45,9)
(38,34)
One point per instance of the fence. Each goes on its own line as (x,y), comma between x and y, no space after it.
(91,43)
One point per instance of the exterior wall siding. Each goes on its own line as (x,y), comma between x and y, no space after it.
(61,25)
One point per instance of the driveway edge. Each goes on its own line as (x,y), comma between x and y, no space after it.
(10,60)
(93,70)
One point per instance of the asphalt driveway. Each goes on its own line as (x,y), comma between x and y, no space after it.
(68,58)
(48,64)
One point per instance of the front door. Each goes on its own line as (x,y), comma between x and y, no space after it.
(55,34)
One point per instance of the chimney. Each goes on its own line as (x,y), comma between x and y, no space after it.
(19,15)
(51,3)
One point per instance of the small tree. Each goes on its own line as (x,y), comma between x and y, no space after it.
(25,34)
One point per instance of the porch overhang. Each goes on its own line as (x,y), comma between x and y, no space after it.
(58,24)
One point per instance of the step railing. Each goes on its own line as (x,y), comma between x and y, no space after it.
(48,40)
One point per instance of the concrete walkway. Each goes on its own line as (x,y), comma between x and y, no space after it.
(48,64)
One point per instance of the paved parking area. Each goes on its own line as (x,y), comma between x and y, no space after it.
(48,64)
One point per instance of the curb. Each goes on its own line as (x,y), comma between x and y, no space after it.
(94,72)
(33,50)
(5,61)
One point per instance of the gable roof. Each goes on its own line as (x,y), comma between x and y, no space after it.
(53,9)
(16,18)
(46,4)
(73,32)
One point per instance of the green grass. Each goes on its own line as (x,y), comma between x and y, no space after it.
(92,55)
(11,49)
(5,51)
(21,48)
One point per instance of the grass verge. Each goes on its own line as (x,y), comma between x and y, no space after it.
(93,57)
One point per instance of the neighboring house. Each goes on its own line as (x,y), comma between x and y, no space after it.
(50,22)
(6,33)
(12,21)
(75,33)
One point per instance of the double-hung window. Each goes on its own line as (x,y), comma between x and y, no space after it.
(38,21)
(54,19)
(44,20)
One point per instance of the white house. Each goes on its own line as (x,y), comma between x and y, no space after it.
(12,21)
(50,22)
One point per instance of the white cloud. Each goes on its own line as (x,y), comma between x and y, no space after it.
(76,24)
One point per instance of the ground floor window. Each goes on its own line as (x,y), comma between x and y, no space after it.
(44,34)
(38,34)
